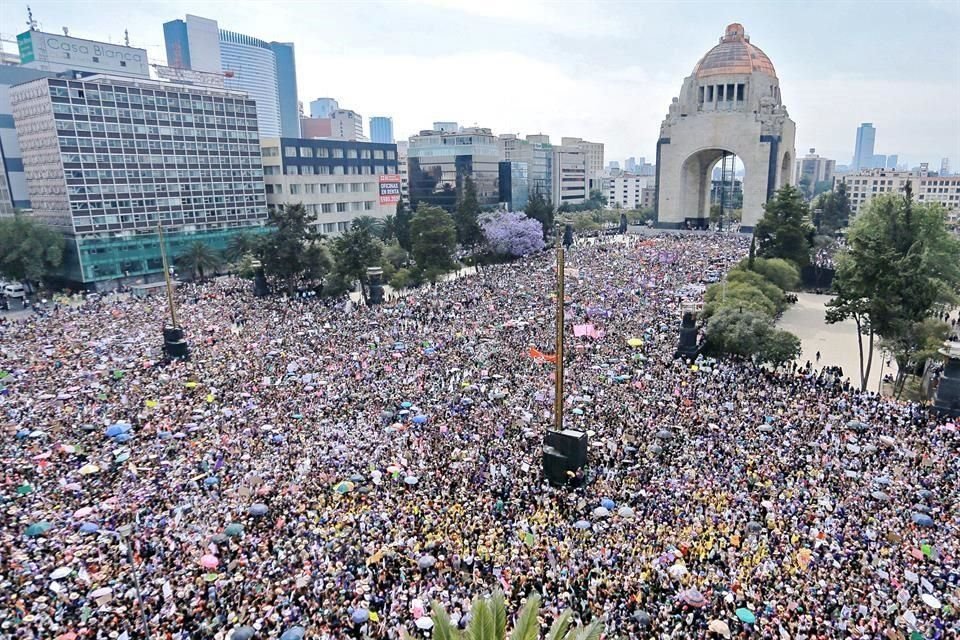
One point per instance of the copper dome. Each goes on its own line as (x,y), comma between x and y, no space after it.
(734,55)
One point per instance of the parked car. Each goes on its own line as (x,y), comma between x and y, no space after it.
(14,290)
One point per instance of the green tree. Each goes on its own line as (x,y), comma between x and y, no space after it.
(780,347)
(434,238)
(752,258)
(29,250)
(740,295)
(780,272)
(770,291)
(465,216)
(402,278)
(283,250)
(395,255)
(402,223)
(900,264)
(388,230)
(784,231)
(368,223)
(241,244)
(198,259)
(749,334)
(354,251)
(540,209)
(488,621)
(832,211)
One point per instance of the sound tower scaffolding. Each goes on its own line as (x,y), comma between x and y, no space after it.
(175,345)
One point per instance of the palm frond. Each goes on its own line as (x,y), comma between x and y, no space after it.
(527,626)
(442,628)
(558,630)
(590,632)
(499,610)
(480,626)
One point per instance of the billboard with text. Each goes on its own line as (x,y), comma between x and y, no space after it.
(389,189)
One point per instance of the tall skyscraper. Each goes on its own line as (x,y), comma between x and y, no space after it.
(892,160)
(863,152)
(266,71)
(381,129)
(945,166)
(323,107)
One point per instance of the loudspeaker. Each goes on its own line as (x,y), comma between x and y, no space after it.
(174,345)
(688,337)
(567,235)
(260,287)
(555,466)
(947,398)
(571,444)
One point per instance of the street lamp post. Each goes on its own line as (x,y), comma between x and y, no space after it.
(124,533)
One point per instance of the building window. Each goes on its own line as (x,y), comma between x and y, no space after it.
(368,205)
(327,207)
(341,207)
(700,95)
(306,152)
(340,188)
(740,92)
(290,152)
(323,152)
(324,188)
(351,153)
(710,93)
(294,189)
(337,152)
(356,187)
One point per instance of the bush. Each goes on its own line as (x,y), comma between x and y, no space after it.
(780,272)
(771,291)
(779,347)
(402,279)
(738,295)
(750,334)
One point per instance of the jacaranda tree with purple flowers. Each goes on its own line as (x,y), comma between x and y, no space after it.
(511,233)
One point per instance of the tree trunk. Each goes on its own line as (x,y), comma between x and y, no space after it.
(863,379)
(866,375)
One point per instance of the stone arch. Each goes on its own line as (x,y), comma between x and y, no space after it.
(696,174)
(786,170)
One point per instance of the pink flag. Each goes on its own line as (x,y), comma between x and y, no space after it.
(580,330)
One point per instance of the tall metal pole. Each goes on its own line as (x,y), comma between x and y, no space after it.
(126,539)
(166,276)
(558,390)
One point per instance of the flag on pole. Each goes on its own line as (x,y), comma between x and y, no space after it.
(539,356)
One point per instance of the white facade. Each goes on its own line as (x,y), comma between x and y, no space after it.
(927,189)
(570,182)
(204,44)
(729,104)
(347,125)
(403,147)
(626,191)
(57,53)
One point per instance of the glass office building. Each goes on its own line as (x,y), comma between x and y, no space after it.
(289,102)
(381,130)
(109,158)
(438,164)
(253,65)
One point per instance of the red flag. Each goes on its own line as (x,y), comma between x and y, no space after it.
(536,354)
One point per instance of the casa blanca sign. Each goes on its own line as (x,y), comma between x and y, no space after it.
(38,49)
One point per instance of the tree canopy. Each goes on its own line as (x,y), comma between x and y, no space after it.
(433,237)
(465,216)
(899,265)
(354,251)
(402,219)
(785,231)
(198,259)
(284,250)
(511,233)
(832,210)
(28,249)
(540,209)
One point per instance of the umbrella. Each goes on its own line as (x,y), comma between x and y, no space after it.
(122,457)
(765,428)
(424,623)
(209,561)
(37,529)
(581,524)
(856,425)
(664,434)
(607,503)
(754,527)
(881,496)
(123,437)
(116,429)
(635,342)
(655,449)
(234,529)
(643,618)
(82,513)
(601,512)
(411,480)
(420,419)
(60,572)
(343,487)
(677,570)
(294,633)
(852,448)
(357,478)
(88,469)
(694,598)
(746,615)
(24,489)
(427,561)
(89,527)
(219,539)
(625,512)
(211,480)
(103,592)
(887,441)
(359,616)
(930,601)
(406,405)
(926,494)
(258,509)
(23,433)
(243,633)
(921,519)
(720,627)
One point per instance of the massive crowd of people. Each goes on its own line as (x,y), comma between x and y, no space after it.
(333,470)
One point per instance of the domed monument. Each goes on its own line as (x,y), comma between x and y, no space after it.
(729,105)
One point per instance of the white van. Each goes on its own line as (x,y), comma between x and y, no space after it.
(14,290)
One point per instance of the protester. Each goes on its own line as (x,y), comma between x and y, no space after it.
(394,457)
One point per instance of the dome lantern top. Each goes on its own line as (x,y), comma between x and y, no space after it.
(734,55)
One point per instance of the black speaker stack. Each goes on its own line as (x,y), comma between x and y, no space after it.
(564,453)
(260,287)
(174,345)
(688,347)
(947,398)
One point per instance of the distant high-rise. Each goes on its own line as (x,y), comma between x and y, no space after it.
(323,107)
(630,165)
(945,167)
(347,125)
(879,161)
(381,129)
(266,71)
(892,160)
(863,152)
(446,127)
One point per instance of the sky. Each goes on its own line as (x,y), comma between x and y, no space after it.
(604,71)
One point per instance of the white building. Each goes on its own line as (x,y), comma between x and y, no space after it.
(593,151)
(626,191)
(569,181)
(864,185)
(812,169)
(347,125)
(58,53)
(403,147)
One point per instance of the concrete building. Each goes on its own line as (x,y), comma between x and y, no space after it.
(446,127)
(266,71)
(440,161)
(593,151)
(863,149)
(108,158)
(630,165)
(892,161)
(812,169)
(381,129)
(944,166)
(335,180)
(571,184)
(403,147)
(626,191)
(13,181)
(347,125)
(58,53)
(537,153)
(730,104)
(323,107)
(928,188)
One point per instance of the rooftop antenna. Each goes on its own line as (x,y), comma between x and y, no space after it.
(30,21)
(126,37)
(66,31)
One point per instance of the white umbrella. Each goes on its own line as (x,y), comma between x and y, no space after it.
(601,512)
(930,601)
(677,570)
(625,512)
(887,441)
(60,572)
(424,623)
